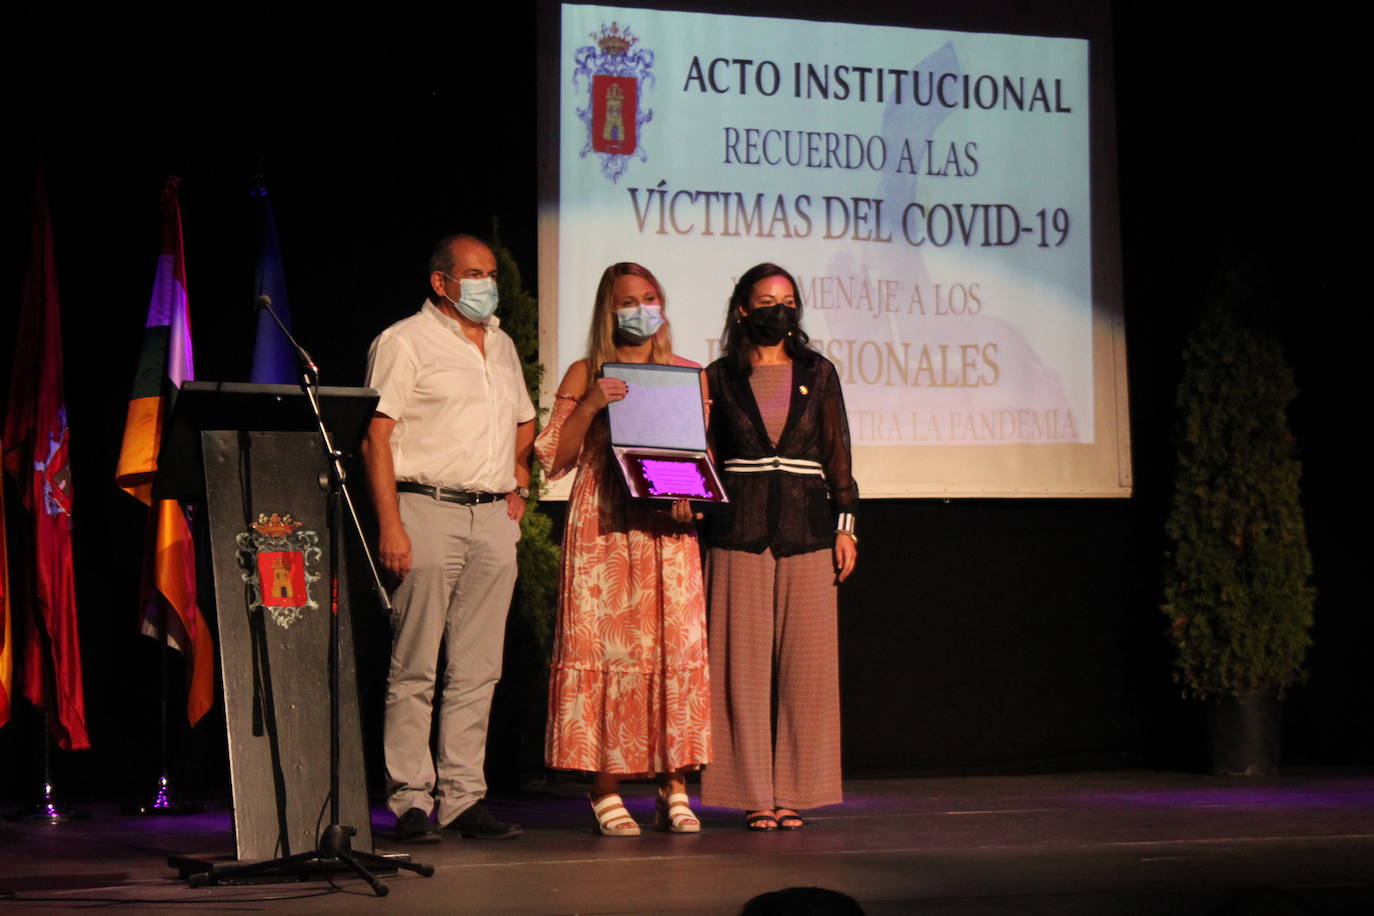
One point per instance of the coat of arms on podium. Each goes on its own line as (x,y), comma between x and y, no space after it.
(280,563)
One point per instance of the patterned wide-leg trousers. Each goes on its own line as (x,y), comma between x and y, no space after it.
(775,686)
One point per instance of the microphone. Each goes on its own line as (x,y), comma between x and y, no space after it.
(307,364)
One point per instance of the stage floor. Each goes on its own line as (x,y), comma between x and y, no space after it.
(1117,842)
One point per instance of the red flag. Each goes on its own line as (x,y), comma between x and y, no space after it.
(36,456)
(164,363)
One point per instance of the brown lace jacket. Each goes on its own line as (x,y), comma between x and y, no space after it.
(790,512)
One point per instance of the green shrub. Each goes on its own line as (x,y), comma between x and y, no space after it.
(1237,573)
(536,590)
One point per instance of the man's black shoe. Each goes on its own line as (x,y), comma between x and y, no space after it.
(415,827)
(476,823)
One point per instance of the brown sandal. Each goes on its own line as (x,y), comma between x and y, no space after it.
(671,813)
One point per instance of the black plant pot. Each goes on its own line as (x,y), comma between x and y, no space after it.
(1246,732)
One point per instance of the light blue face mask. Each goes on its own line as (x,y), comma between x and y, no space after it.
(478,299)
(639,323)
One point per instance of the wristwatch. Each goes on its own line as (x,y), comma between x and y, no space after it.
(523,493)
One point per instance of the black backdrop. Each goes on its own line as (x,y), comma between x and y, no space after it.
(976,634)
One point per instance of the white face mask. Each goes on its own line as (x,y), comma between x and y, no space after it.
(478,299)
(639,323)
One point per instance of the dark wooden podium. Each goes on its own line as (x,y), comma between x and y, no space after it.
(253,452)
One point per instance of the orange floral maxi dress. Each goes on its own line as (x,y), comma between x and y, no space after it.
(629,691)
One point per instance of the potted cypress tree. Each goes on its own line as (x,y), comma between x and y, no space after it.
(1236,581)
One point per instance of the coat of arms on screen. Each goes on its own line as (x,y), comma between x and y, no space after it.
(615,72)
(278,561)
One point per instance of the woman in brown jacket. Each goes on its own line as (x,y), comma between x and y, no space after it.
(780,434)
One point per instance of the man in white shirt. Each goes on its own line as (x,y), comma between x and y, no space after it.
(448,459)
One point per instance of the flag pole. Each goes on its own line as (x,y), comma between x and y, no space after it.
(165,800)
(48,809)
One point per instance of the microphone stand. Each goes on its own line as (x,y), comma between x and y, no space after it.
(334,849)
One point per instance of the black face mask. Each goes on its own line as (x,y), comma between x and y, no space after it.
(770,324)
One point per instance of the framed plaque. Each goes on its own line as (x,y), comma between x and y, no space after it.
(658,436)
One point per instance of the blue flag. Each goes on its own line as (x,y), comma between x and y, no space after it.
(274,362)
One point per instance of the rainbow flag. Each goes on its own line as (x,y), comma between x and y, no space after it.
(170,561)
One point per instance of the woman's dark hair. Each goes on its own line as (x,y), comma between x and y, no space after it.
(735,345)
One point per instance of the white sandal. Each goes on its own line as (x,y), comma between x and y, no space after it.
(674,815)
(612,818)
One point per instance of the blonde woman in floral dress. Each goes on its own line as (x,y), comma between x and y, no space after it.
(628,691)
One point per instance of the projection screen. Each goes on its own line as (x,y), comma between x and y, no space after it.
(946,200)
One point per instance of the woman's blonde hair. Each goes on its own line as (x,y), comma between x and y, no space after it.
(601,340)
